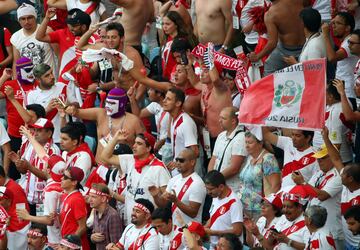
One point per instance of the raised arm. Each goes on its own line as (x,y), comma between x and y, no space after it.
(226,10)
(107,155)
(332,150)
(122,3)
(332,55)
(91,114)
(41,34)
(7,6)
(349,114)
(269,136)
(24,114)
(84,39)
(59,4)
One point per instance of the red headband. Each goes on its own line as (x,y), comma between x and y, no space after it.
(66,243)
(142,208)
(34,233)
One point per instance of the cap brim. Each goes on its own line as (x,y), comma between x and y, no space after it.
(72,21)
(320,154)
(37,126)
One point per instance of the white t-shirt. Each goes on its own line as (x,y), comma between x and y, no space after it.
(81,160)
(52,204)
(338,131)
(324,8)
(295,160)
(345,69)
(349,199)
(223,213)
(314,48)
(196,192)
(330,183)
(183,133)
(154,174)
(261,224)
(95,15)
(142,238)
(299,234)
(235,147)
(321,240)
(28,46)
(4,138)
(43,97)
(173,239)
(252,37)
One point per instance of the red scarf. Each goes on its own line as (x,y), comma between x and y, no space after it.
(85,148)
(139,164)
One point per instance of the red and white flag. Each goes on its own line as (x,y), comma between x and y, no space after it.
(293,97)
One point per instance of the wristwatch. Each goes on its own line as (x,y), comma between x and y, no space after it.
(185,226)
(226,47)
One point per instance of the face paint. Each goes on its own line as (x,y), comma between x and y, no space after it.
(27,74)
(111,107)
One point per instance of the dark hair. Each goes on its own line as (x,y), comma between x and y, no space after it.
(353,212)
(42,228)
(348,18)
(2,171)
(148,204)
(353,170)
(180,45)
(357,33)
(175,17)
(75,130)
(278,210)
(308,133)
(37,109)
(179,94)
(214,178)
(311,18)
(164,214)
(331,89)
(85,17)
(233,240)
(73,238)
(116,26)
(147,143)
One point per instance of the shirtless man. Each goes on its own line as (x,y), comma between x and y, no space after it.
(115,40)
(214,23)
(111,119)
(136,14)
(283,24)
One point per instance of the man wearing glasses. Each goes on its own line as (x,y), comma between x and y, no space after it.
(186,191)
(73,211)
(343,24)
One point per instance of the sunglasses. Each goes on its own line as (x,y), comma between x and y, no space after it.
(180,160)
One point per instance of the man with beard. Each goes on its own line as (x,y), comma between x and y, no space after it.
(352,217)
(24,83)
(139,234)
(78,23)
(143,169)
(111,119)
(24,42)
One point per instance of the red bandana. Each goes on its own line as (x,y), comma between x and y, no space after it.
(139,164)
(83,147)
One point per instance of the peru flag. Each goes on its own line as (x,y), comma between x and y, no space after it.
(293,97)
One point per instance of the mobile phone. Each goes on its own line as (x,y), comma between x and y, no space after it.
(297,172)
(61,102)
(184,59)
(274,230)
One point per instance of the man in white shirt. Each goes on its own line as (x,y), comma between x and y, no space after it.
(47,94)
(24,42)
(328,187)
(229,151)
(320,238)
(226,210)
(143,169)
(139,234)
(183,128)
(170,235)
(343,25)
(76,152)
(186,191)
(297,154)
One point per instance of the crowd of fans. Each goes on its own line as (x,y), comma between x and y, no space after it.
(116,135)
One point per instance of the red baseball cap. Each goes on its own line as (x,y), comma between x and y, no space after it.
(274,199)
(149,139)
(76,174)
(197,228)
(57,166)
(42,123)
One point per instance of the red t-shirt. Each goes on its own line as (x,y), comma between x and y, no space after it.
(19,197)
(168,61)
(66,40)
(14,119)
(60,21)
(73,208)
(7,36)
